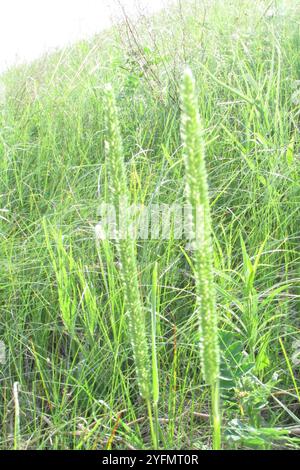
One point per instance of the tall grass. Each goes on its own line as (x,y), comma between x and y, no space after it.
(63,308)
(118,192)
(201,237)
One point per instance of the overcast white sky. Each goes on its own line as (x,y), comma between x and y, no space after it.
(30,27)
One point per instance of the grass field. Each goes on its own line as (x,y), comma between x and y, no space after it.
(69,379)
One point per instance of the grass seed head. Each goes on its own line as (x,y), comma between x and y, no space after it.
(198,199)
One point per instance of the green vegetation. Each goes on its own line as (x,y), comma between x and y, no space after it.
(92,335)
(197,196)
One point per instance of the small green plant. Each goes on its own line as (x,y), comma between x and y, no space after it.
(127,255)
(200,226)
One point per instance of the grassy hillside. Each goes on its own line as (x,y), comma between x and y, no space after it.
(76,386)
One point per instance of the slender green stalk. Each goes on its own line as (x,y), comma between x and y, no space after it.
(152,426)
(215,402)
(155,377)
(200,227)
(17,416)
(127,255)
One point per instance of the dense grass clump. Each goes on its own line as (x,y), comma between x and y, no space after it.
(74,307)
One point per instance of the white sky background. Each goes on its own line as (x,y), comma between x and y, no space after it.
(28,28)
